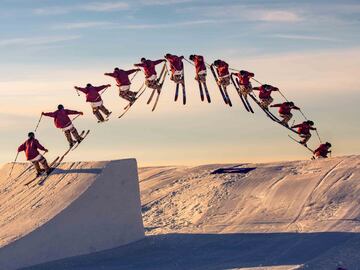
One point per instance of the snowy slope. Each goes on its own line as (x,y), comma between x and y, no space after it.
(82,208)
(284,215)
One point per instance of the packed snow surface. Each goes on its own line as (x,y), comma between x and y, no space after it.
(278,216)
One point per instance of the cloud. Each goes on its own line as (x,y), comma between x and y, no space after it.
(164,2)
(93,6)
(274,16)
(304,37)
(81,25)
(36,40)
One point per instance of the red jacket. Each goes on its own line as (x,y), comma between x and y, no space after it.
(176,63)
(92,92)
(61,118)
(304,128)
(122,76)
(199,63)
(284,108)
(222,69)
(149,67)
(265,92)
(322,150)
(31,147)
(244,78)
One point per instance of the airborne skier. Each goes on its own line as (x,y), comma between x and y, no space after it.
(244,81)
(265,94)
(150,72)
(62,121)
(93,96)
(285,111)
(200,69)
(222,69)
(176,67)
(322,151)
(304,130)
(32,154)
(123,82)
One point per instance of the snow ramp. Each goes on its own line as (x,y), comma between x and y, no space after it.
(83,207)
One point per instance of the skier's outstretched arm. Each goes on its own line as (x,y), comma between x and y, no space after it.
(131,71)
(296,126)
(159,61)
(275,105)
(110,74)
(80,89)
(69,112)
(49,114)
(101,87)
(21,147)
(39,146)
(139,65)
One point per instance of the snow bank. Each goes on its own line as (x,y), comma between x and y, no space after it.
(82,208)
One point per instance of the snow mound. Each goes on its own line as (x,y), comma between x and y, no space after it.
(83,207)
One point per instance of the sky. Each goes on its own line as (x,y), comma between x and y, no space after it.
(309,49)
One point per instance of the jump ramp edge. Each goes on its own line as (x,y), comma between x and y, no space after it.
(106,215)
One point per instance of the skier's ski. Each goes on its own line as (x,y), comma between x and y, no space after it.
(159,92)
(312,151)
(244,97)
(176,92)
(127,108)
(240,95)
(207,93)
(50,165)
(227,97)
(220,88)
(184,93)
(201,91)
(83,137)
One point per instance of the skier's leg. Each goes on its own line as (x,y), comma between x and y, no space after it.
(69,138)
(286,118)
(305,138)
(104,110)
(266,102)
(76,135)
(98,115)
(45,164)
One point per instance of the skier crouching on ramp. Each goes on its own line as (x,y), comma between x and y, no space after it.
(151,79)
(123,82)
(304,130)
(93,96)
(322,151)
(285,111)
(62,121)
(31,146)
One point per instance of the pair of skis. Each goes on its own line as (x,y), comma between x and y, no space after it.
(57,161)
(138,95)
(243,98)
(105,119)
(183,90)
(223,92)
(160,83)
(201,84)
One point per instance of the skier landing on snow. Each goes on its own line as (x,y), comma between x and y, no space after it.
(62,121)
(123,82)
(176,67)
(93,96)
(304,131)
(285,111)
(32,154)
(151,80)
(244,81)
(265,94)
(222,69)
(322,151)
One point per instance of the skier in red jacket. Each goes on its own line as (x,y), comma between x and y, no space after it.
(31,148)
(123,82)
(62,121)
(244,81)
(304,130)
(93,96)
(285,111)
(265,94)
(222,69)
(176,67)
(150,72)
(200,67)
(322,151)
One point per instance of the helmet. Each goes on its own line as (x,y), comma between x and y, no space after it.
(328,144)
(291,103)
(192,57)
(60,107)
(167,55)
(116,69)
(31,135)
(311,123)
(143,59)
(242,72)
(216,62)
(88,85)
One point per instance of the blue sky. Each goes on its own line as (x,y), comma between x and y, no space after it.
(308,48)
